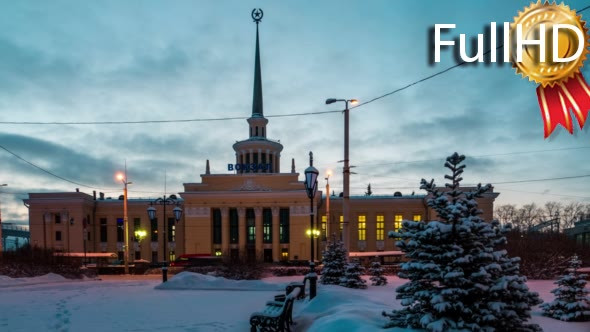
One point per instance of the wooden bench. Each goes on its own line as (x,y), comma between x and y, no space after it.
(276,316)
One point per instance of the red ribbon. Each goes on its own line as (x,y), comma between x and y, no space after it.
(556,101)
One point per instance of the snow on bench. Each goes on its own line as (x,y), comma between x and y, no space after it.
(276,316)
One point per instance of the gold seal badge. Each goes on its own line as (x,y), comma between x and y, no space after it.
(548,72)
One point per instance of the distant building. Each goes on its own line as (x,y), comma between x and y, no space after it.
(254,210)
(581,231)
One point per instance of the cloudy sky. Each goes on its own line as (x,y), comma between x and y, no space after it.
(73,61)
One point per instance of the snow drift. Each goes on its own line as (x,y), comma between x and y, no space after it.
(191,280)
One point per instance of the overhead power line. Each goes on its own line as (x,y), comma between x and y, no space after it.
(51,173)
(497,183)
(407,86)
(475,156)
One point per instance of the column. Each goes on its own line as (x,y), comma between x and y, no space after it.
(259,231)
(242,231)
(225,231)
(259,161)
(275,234)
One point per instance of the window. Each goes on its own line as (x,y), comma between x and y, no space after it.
(58,218)
(397,222)
(58,236)
(103,229)
(267,225)
(120,230)
(417,217)
(137,255)
(284,226)
(216,226)
(171,256)
(171,230)
(218,252)
(284,254)
(362,227)
(250,226)
(154,230)
(324,222)
(233,226)
(341,222)
(380,227)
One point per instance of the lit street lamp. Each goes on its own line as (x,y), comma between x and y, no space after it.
(315,234)
(123,178)
(311,187)
(346,173)
(140,234)
(177,215)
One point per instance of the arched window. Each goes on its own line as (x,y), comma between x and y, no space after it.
(263,132)
(256,130)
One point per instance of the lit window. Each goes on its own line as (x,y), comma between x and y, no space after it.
(362,227)
(417,217)
(341,222)
(285,253)
(380,227)
(217,252)
(397,222)
(324,221)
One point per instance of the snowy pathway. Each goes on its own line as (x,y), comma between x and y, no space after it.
(135,305)
(124,306)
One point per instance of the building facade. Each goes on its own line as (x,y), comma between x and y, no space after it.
(256,210)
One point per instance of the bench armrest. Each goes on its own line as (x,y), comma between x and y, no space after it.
(275,303)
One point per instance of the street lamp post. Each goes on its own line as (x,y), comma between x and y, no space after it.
(177,215)
(311,186)
(327,205)
(123,178)
(1,249)
(345,173)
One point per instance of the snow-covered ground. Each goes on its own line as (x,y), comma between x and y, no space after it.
(188,303)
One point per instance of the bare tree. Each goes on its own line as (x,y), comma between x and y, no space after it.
(505,213)
(528,215)
(587,211)
(572,213)
(552,209)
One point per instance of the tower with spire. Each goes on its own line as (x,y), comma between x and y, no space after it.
(260,154)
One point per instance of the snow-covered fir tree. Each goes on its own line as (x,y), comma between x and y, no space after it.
(376,272)
(334,260)
(352,276)
(571,297)
(458,278)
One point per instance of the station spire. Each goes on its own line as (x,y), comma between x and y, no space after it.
(257,98)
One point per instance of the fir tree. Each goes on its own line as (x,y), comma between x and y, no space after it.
(352,276)
(369,192)
(376,272)
(458,279)
(334,260)
(571,297)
